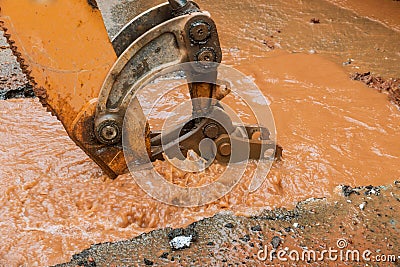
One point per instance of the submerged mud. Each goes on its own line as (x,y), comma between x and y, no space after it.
(56,201)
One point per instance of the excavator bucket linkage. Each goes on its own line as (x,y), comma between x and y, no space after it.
(85,58)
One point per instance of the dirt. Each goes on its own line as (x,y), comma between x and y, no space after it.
(390,86)
(363,219)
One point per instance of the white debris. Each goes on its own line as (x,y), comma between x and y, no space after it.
(295,225)
(180,242)
(362,205)
(192,163)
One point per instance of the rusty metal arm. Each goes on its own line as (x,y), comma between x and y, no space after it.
(186,35)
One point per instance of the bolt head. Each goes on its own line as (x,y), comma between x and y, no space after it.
(109,132)
(200,31)
(211,130)
(225,149)
(206,54)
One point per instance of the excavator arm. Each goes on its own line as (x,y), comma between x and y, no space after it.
(85,59)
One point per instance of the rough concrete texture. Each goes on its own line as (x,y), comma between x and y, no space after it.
(364,219)
(13,82)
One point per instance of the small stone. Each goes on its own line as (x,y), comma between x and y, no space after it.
(229,225)
(256,228)
(245,238)
(314,21)
(180,242)
(362,205)
(348,62)
(210,243)
(295,225)
(348,190)
(189,231)
(163,255)
(148,262)
(275,242)
(371,190)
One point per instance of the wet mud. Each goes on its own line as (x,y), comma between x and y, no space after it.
(344,34)
(363,221)
(389,86)
(379,11)
(334,130)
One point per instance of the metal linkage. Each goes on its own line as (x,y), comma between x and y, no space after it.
(189,37)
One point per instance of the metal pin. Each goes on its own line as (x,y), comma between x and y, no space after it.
(177,3)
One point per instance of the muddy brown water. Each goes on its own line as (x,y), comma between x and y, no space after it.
(55,201)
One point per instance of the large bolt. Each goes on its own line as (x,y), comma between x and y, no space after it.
(225,149)
(206,54)
(108,132)
(211,130)
(199,31)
